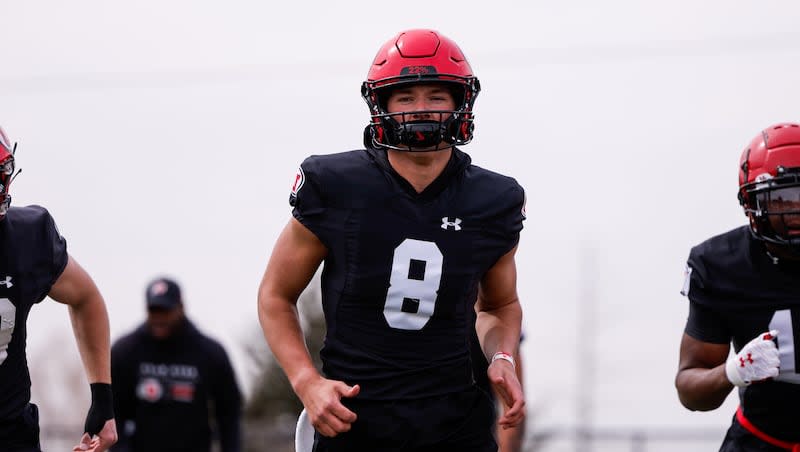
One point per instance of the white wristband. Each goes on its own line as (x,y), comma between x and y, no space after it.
(504,356)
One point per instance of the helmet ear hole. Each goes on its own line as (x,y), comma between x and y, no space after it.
(368,134)
(374,136)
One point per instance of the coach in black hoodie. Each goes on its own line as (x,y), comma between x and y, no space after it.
(170,382)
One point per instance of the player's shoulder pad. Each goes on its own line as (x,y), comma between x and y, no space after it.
(718,264)
(32,221)
(29,215)
(329,167)
(494,191)
(336,177)
(721,252)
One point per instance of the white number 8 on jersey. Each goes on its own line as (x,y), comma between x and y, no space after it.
(413,285)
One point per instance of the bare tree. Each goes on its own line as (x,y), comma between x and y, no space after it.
(59,386)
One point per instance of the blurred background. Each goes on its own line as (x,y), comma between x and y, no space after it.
(164,137)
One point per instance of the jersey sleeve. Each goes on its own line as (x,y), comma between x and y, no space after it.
(726,273)
(692,278)
(517,213)
(307,197)
(54,255)
(704,324)
(511,217)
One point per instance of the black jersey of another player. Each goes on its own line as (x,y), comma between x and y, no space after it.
(737,292)
(32,256)
(400,279)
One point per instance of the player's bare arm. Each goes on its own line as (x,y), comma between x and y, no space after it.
(498,328)
(701,381)
(75,288)
(87,309)
(295,258)
(757,361)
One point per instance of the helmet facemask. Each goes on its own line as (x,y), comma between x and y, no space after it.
(400,131)
(772,204)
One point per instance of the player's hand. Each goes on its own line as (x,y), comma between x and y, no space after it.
(756,361)
(322,401)
(507,386)
(100,442)
(87,443)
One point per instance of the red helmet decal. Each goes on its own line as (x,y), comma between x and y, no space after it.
(418,70)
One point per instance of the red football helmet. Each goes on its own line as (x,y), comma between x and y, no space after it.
(6,171)
(769,185)
(411,57)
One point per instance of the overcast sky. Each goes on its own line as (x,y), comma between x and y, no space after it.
(164,135)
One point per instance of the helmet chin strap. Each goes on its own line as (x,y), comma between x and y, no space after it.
(786,249)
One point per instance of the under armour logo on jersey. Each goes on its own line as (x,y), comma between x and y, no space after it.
(7,282)
(455,224)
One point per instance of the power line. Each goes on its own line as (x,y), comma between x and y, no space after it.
(713,47)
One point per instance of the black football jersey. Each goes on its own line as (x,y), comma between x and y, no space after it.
(736,292)
(32,256)
(400,279)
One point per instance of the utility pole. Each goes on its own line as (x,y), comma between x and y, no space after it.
(585,339)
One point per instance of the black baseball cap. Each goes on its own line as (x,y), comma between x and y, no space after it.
(163,293)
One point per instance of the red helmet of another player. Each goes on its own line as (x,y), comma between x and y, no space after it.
(6,171)
(769,185)
(416,57)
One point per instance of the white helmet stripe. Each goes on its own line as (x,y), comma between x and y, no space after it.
(4,140)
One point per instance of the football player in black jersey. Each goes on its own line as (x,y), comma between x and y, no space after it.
(744,288)
(34,264)
(410,234)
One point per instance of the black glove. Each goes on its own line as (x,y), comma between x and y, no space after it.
(102,408)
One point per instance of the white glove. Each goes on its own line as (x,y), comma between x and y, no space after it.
(756,361)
